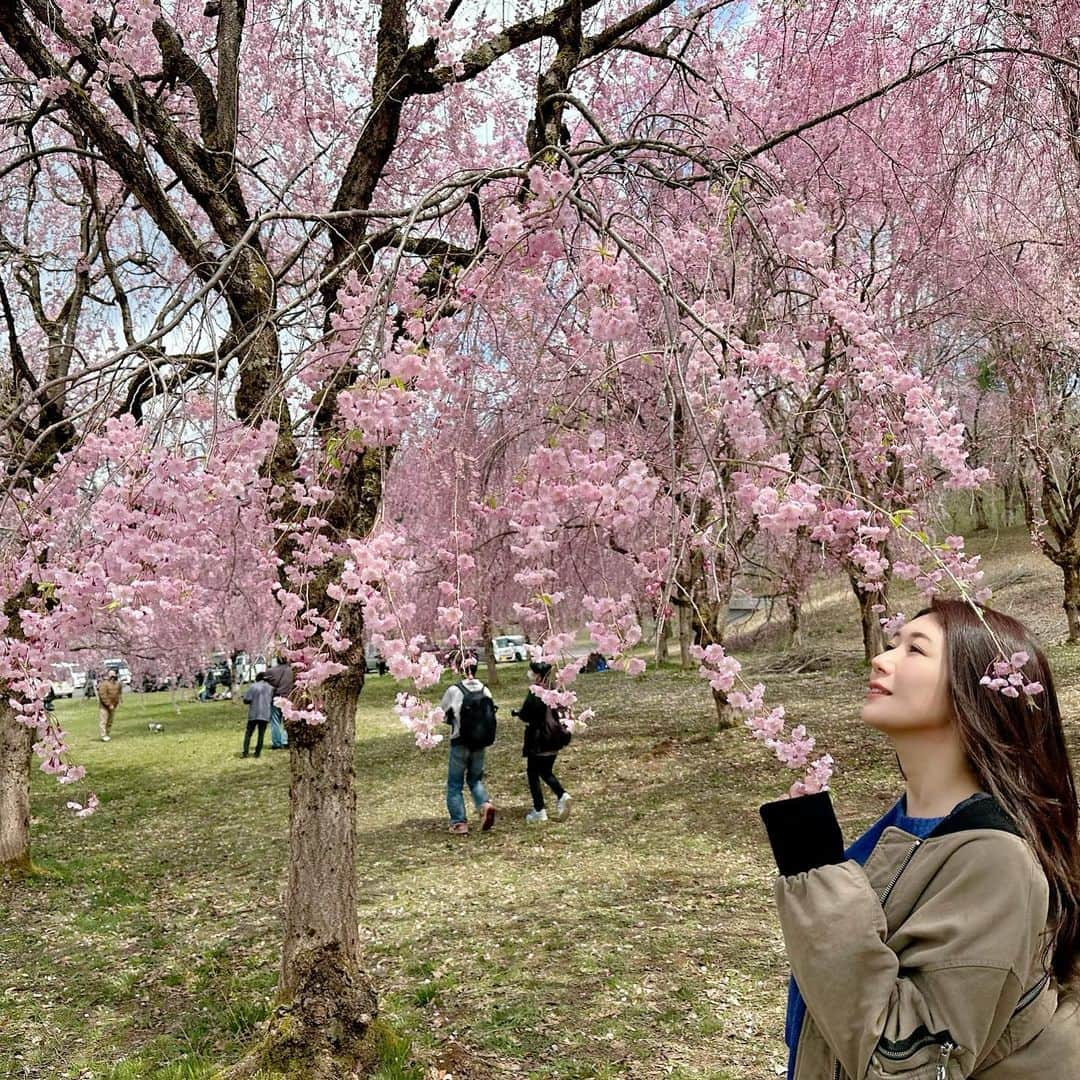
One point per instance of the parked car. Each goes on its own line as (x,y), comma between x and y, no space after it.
(123,672)
(66,672)
(61,683)
(509,647)
(247,667)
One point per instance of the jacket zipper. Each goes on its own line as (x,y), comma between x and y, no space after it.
(886,892)
(899,870)
(943,1060)
(911,1051)
(1030,995)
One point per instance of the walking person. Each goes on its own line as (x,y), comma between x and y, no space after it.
(470,710)
(942,944)
(545,736)
(282,679)
(259,699)
(109,693)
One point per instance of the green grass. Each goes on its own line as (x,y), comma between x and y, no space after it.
(635,940)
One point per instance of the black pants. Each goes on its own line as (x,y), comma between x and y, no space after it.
(251,726)
(540,767)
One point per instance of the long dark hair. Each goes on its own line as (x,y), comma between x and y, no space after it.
(1016,747)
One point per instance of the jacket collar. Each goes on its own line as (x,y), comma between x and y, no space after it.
(979,811)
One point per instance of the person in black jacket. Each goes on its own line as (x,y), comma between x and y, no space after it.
(537,750)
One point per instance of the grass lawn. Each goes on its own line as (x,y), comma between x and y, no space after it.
(637,939)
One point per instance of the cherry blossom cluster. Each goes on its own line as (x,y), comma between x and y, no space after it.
(1007,677)
(792,748)
(147,549)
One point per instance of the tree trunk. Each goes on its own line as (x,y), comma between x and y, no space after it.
(982,521)
(1071,572)
(16,746)
(795,623)
(1012,502)
(492,669)
(326,1003)
(685,636)
(710,615)
(725,714)
(663,636)
(872,634)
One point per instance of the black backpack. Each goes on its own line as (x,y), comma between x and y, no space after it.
(554,735)
(477,727)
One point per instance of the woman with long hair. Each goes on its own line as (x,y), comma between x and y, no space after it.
(540,747)
(943,943)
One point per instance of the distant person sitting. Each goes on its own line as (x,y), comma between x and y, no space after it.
(259,699)
(470,711)
(282,679)
(108,695)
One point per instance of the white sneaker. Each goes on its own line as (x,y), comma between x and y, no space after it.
(534,817)
(105,738)
(562,807)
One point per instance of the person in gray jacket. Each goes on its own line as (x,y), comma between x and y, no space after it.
(259,700)
(942,944)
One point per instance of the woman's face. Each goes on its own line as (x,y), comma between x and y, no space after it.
(909,686)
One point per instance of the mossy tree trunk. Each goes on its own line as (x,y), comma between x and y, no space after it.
(872,634)
(16,742)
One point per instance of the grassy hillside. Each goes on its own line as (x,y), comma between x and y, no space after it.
(637,939)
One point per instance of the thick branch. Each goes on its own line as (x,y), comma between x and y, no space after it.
(123,159)
(180,66)
(230,30)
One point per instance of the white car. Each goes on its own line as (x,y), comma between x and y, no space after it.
(123,672)
(509,647)
(61,681)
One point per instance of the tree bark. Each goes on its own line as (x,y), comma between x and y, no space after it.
(326,1003)
(1071,573)
(982,521)
(795,623)
(663,637)
(709,614)
(16,743)
(685,637)
(872,634)
(492,669)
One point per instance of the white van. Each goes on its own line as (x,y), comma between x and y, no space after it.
(509,647)
(61,681)
(65,674)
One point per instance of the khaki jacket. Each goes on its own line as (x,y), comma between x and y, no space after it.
(108,692)
(930,962)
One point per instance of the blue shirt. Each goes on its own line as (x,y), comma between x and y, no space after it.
(859,851)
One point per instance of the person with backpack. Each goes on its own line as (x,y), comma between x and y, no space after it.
(469,709)
(545,736)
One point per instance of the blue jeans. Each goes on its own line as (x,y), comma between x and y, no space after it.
(465,764)
(278,735)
